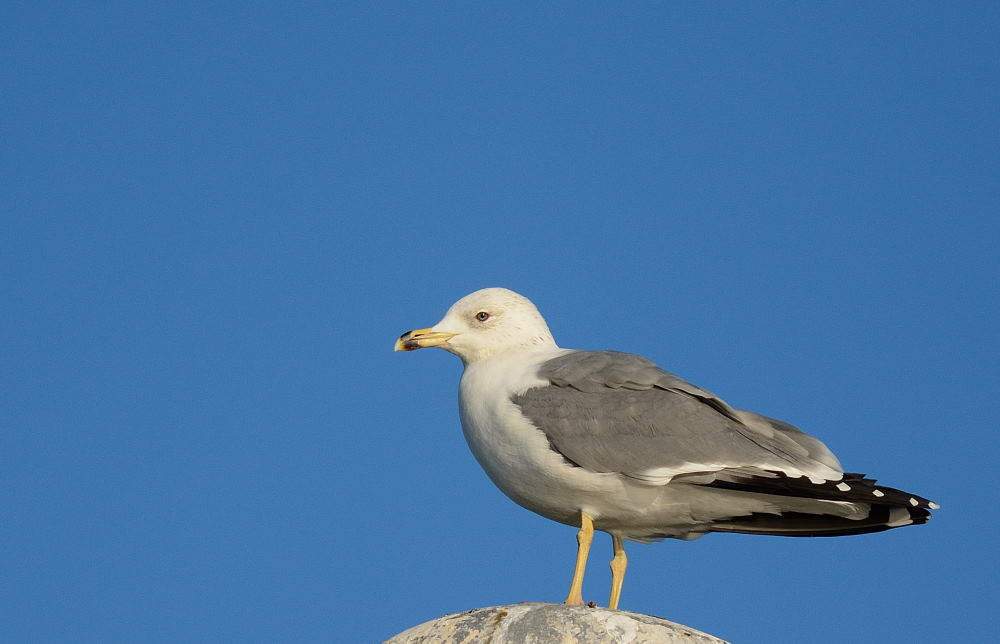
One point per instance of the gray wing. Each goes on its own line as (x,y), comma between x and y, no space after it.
(617,412)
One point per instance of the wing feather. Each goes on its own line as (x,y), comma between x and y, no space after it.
(616,412)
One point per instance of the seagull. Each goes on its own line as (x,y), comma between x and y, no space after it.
(604,440)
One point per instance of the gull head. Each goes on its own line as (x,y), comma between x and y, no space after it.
(483,324)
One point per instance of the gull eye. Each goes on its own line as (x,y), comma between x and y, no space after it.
(482,316)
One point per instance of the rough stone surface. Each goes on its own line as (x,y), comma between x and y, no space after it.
(532,623)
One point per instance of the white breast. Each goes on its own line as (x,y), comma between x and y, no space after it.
(515,454)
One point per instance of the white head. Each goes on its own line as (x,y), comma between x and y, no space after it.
(483,324)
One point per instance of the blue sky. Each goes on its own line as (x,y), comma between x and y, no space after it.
(218,217)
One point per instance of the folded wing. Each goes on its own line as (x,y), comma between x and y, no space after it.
(617,412)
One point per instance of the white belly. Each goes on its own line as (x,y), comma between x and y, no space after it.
(519,460)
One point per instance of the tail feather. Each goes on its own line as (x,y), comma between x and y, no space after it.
(888,507)
(797,524)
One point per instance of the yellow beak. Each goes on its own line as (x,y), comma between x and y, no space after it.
(420,339)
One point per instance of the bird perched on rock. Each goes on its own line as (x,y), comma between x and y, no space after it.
(603,440)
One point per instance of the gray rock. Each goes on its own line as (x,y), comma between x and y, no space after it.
(532,623)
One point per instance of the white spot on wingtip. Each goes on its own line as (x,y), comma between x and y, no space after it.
(933,506)
(843,487)
(914,502)
(878,492)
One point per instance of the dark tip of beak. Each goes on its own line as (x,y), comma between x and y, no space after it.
(406,343)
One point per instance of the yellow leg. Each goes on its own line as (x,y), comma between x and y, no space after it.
(583,539)
(618,565)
